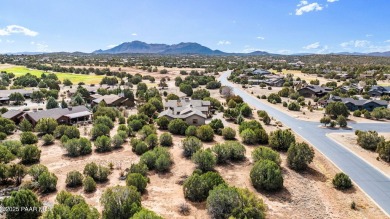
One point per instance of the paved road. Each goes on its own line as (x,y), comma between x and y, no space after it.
(373,182)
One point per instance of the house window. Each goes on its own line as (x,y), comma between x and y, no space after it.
(194,121)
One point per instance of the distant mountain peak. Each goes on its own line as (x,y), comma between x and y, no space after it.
(142,47)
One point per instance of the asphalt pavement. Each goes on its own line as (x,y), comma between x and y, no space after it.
(373,182)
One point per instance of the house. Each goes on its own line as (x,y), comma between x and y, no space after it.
(4,94)
(67,116)
(314,90)
(353,104)
(356,87)
(376,91)
(14,115)
(260,72)
(112,100)
(194,112)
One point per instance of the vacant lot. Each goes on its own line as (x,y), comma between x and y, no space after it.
(75,78)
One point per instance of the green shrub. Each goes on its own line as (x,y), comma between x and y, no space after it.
(204,159)
(137,180)
(229,150)
(197,187)
(190,146)
(190,131)
(145,214)
(294,106)
(89,184)
(48,139)
(383,149)
(369,140)
(152,141)
(266,175)
(74,179)
(205,133)
(248,136)
(28,138)
(265,153)
(30,154)
(229,133)
(231,202)
(166,139)
(36,170)
(281,139)
(357,113)
(342,181)
(140,168)
(47,182)
(177,127)
(299,155)
(117,141)
(140,148)
(100,130)
(103,144)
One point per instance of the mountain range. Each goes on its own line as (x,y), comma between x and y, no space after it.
(195,48)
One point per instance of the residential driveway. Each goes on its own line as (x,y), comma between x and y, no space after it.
(373,182)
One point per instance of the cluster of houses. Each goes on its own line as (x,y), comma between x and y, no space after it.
(259,76)
(69,115)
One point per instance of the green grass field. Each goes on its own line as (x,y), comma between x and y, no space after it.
(75,78)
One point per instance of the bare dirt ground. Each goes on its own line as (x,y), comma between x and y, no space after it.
(306,195)
(349,140)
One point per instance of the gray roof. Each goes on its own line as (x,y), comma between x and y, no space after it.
(79,114)
(317,89)
(361,102)
(187,102)
(108,99)
(11,113)
(185,113)
(6,93)
(56,113)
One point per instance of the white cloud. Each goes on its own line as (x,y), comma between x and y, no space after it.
(361,43)
(111,46)
(224,42)
(312,46)
(260,38)
(40,47)
(302,3)
(356,44)
(11,29)
(1,41)
(134,34)
(324,49)
(308,8)
(387,41)
(369,35)
(10,41)
(331,1)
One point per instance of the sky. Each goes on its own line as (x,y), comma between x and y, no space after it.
(276,26)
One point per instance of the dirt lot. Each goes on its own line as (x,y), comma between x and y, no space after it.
(349,140)
(306,195)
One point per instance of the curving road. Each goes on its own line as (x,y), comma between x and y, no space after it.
(373,182)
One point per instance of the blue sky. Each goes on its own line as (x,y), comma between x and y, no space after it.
(278,26)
